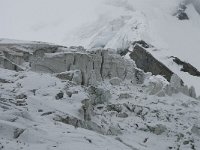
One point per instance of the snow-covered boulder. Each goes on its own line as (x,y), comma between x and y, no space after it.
(98,95)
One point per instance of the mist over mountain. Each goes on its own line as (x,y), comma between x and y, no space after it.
(99,74)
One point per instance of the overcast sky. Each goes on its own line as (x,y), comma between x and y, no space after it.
(46,20)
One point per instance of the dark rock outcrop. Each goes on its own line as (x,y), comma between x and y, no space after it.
(181,14)
(142,43)
(147,62)
(59,95)
(187,67)
(77,123)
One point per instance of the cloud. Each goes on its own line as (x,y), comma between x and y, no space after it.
(43,19)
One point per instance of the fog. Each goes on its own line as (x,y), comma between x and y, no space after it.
(46,20)
(51,20)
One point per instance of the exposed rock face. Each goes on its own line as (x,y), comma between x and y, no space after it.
(142,43)
(145,61)
(187,67)
(59,95)
(181,14)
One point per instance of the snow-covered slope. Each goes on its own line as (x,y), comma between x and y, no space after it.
(153,21)
(90,99)
(32,117)
(24,124)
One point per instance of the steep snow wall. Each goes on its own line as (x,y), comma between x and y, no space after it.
(94,65)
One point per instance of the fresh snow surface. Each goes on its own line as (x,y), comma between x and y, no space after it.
(34,115)
(44,20)
(29,123)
